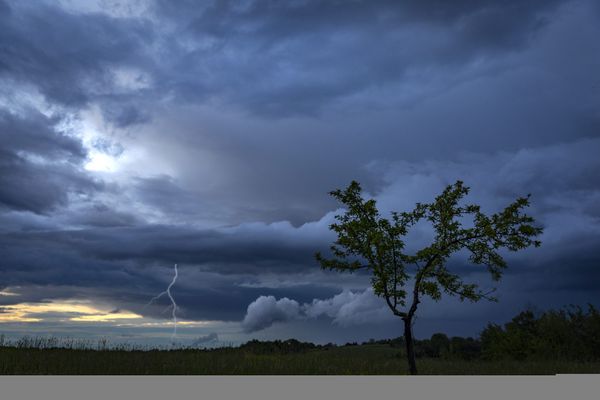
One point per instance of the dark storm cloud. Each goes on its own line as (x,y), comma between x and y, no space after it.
(243,249)
(122,114)
(35,134)
(286,58)
(39,165)
(164,194)
(267,57)
(487,23)
(74,59)
(4,8)
(100,215)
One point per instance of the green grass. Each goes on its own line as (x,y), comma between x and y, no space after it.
(352,360)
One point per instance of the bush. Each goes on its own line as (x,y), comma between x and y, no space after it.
(465,348)
(277,347)
(567,334)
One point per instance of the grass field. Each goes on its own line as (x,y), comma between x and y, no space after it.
(350,360)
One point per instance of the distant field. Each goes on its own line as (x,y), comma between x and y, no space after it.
(350,360)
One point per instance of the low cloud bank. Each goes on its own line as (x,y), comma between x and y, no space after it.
(345,309)
(266,310)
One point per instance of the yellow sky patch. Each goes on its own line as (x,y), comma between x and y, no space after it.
(82,311)
(106,317)
(85,312)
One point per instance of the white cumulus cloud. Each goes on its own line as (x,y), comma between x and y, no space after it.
(346,308)
(266,310)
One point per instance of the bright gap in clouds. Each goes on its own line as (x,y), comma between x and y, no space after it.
(101,162)
(90,128)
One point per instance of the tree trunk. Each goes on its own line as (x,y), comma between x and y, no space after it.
(410,348)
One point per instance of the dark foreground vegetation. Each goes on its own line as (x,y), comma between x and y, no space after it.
(565,341)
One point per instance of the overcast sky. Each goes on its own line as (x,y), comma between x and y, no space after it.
(139,134)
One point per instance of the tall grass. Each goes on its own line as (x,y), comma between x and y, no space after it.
(366,359)
(53,342)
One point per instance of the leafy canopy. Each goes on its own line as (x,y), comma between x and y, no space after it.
(367,240)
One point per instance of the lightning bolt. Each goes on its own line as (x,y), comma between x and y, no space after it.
(173,304)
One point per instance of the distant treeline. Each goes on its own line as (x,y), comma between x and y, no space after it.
(572,334)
